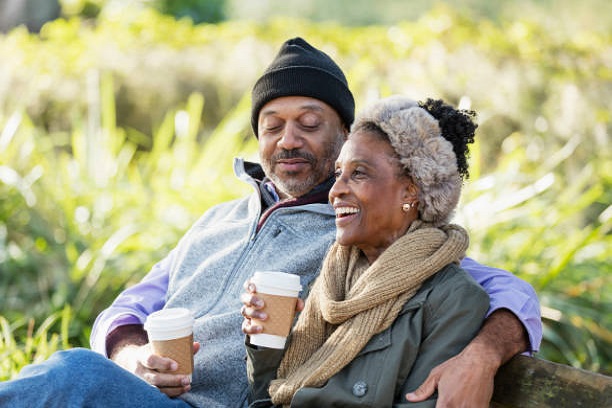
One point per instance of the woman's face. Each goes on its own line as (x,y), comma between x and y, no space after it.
(368,195)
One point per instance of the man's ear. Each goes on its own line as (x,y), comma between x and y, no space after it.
(345,132)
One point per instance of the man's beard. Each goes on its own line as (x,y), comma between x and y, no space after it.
(321,169)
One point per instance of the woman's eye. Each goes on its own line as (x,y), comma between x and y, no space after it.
(355,174)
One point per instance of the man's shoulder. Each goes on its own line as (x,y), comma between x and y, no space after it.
(453,273)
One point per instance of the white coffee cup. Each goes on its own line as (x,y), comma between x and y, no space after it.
(170,333)
(279,292)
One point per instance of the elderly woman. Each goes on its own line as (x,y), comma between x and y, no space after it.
(391,301)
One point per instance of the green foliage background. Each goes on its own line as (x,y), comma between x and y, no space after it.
(116,134)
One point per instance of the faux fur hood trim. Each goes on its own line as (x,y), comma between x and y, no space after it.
(427,157)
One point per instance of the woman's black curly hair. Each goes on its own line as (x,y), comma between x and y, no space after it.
(457,126)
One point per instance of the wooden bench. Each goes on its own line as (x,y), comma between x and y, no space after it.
(527,382)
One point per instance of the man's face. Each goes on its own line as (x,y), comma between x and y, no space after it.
(299,141)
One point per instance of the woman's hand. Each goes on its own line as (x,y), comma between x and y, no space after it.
(253,309)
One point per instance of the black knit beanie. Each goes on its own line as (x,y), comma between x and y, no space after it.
(299,69)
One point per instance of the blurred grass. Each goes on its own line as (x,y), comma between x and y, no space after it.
(116,136)
(36,345)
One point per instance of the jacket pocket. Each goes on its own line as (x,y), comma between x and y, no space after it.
(378,342)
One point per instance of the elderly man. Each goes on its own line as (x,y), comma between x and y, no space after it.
(302,109)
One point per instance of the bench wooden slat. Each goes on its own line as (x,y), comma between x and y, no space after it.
(528,382)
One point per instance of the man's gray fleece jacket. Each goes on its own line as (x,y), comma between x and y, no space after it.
(212,262)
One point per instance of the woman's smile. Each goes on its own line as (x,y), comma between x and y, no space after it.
(345,214)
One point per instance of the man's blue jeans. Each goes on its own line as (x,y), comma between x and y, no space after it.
(81,378)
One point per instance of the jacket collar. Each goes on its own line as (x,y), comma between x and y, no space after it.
(255,173)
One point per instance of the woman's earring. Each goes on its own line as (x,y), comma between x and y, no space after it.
(407,206)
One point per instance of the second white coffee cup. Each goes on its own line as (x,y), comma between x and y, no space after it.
(279,292)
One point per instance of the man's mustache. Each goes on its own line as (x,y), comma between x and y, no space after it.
(294,154)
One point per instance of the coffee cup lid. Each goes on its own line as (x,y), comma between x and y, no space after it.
(169,319)
(281,280)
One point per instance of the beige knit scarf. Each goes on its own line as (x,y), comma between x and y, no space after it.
(351,301)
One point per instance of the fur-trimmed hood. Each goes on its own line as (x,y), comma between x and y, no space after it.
(426,156)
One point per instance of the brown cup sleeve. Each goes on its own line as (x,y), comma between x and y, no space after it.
(280,310)
(179,350)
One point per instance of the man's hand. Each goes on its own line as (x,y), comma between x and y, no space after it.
(466,380)
(463,381)
(130,350)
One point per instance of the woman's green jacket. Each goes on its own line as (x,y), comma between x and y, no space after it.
(433,326)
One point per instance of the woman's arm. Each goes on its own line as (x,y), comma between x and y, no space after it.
(262,364)
(513,325)
(466,380)
(454,313)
